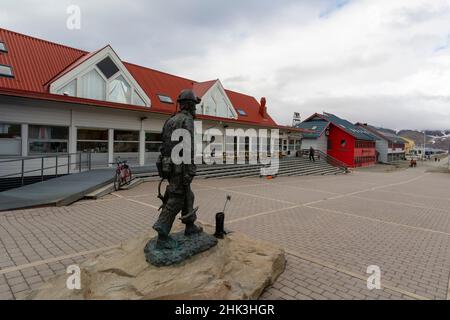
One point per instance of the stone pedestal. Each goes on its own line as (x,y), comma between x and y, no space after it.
(236,268)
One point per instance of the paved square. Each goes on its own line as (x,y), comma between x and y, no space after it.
(332,228)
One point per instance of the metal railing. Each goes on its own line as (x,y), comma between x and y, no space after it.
(69,162)
(329,159)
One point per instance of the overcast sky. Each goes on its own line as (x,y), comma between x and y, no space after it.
(386,62)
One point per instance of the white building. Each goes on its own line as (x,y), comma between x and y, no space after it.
(57,100)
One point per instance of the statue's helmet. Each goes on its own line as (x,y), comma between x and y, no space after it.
(188,96)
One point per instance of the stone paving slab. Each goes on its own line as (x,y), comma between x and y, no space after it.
(408,199)
(333,228)
(304,280)
(415,216)
(413,260)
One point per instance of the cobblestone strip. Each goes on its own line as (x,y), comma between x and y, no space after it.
(56,259)
(377,220)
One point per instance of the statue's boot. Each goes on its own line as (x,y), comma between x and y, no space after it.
(166,242)
(192,229)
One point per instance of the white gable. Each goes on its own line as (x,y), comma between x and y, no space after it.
(113,82)
(215,102)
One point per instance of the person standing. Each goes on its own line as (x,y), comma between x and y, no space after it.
(311,154)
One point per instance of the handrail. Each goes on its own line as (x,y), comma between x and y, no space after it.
(73,160)
(331,160)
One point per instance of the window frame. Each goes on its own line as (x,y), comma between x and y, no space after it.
(34,140)
(93,140)
(109,84)
(159,95)
(18,139)
(79,84)
(112,61)
(242,112)
(136,95)
(74,82)
(134,142)
(152,142)
(5,50)
(7,75)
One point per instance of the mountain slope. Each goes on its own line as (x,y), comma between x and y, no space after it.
(434,138)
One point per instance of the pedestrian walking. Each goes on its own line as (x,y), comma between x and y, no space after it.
(311,154)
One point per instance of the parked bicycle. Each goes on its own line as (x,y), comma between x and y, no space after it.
(123,174)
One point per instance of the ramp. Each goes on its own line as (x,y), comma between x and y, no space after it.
(57,192)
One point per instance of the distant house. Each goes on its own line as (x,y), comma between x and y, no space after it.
(409,145)
(390,147)
(340,139)
(317,137)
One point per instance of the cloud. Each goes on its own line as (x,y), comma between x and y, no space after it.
(336,5)
(371,61)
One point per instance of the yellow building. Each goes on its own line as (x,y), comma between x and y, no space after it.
(409,145)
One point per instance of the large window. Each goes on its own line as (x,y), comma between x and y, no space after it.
(107,67)
(70,89)
(137,100)
(95,141)
(10,139)
(120,90)
(153,142)
(48,139)
(93,86)
(104,81)
(126,141)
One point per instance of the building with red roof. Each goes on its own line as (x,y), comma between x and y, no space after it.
(58,99)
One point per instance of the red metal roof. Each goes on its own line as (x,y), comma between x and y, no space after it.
(200,88)
(251,108)
(36,62)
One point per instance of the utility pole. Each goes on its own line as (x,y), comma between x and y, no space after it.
(424,143)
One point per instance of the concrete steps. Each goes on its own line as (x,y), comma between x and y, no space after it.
(287,167)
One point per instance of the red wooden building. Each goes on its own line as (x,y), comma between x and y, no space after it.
(340,139)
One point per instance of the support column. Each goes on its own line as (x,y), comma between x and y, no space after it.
(24,135)
(110,147)
(72,139)
(142,147)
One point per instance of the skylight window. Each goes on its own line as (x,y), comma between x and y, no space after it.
(165,99)
(242,112)
(6,71)
(107,67)
(3,47)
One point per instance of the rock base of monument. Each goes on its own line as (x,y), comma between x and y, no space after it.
(236,268)
(187,246)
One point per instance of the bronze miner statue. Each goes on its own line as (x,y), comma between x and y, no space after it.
(178,195)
